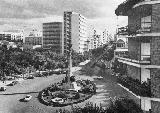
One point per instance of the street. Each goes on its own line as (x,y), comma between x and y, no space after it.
(10,103)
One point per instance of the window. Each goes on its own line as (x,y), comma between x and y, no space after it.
(146,23)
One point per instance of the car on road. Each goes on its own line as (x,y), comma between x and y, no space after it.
(30,77)
(3,88)
(11,78)
(57,71)
(27,98)
(13,83)
(64,71)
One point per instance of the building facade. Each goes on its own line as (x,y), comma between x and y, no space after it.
(143,62)
(105,38)
(12,36)
(35,33)
(32,41)
(75,32)
(52,37)
(121,42)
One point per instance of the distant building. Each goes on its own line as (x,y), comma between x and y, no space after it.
(35,33)
(96,40)
(5,36)
(90,33)
(121,42)
(32,41)
(52,37)
(12,36)
(105,38)
(75,32)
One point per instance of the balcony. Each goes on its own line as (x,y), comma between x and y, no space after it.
(145,59)
(123,30)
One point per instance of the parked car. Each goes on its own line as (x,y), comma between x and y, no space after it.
(11,78)
(3,88)
(57,71)
(64,71)
(27,98)
(38,74)
(13,83)
(30,77)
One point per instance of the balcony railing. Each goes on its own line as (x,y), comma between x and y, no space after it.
(145,59)
(123,30)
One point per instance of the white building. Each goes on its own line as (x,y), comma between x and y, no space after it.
(35,33)
(17,36)
(12,35)
(75,31)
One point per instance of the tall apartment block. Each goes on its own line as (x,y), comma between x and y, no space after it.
(75,32)
(52,37)
(143,62)
(105,37)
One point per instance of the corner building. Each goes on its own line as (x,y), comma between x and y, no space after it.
(143,46)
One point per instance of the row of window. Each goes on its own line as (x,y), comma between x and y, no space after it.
(52,31)
(56,39)
(51,35)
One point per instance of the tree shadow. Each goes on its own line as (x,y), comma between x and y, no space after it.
(20,93)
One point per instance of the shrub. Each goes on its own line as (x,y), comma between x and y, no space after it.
(141,89)
(72,79)
(117,105)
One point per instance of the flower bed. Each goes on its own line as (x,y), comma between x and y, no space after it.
(134,85)
(50,95)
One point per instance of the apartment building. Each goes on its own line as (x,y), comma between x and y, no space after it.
(143,62)
(11,36)
(75,32)
(105,38)
(52,37)
(35,33)
(32,41)
(121,42)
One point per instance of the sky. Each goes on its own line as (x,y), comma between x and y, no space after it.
(28,14)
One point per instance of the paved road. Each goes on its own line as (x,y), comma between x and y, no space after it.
(9,100)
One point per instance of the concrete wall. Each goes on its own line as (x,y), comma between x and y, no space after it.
(134,72)
(145,75)
(156,18)
(155,107)
(155,73)
(134,48)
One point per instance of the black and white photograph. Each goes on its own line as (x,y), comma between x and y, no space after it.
(79,56)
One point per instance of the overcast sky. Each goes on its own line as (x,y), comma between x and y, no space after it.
(26,14)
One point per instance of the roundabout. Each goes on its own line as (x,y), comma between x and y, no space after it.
(63,93)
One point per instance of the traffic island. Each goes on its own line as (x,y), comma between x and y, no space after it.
(59,94)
